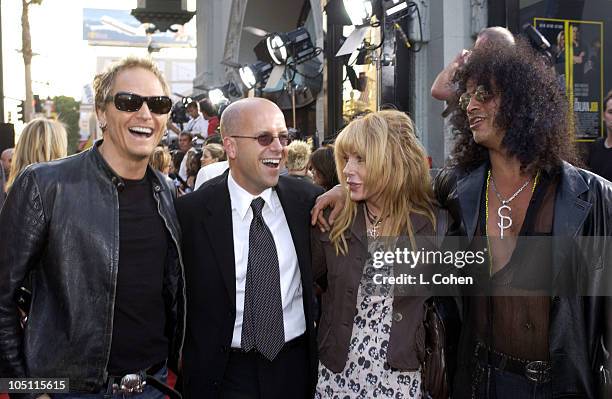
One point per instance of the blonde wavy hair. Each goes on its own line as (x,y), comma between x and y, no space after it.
(216,151)
(298,154)
(160,159)
(41,140)
(397,171)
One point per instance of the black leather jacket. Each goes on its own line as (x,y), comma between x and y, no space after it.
(583,208)
(60,224)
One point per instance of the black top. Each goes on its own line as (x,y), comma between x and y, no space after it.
(139,318)
(600,159)
(519,305)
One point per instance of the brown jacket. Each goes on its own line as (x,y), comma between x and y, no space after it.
(339,301)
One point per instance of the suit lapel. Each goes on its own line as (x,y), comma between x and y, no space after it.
(568,203)
(218,225)
(569,216)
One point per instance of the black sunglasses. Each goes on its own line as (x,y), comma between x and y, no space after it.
(267,139)
(130,102)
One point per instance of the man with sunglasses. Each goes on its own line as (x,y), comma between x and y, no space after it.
(98,237)
(246,248)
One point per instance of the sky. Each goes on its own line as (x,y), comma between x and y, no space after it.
(65,62)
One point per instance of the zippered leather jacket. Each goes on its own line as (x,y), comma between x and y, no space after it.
(60,227)
(577,328)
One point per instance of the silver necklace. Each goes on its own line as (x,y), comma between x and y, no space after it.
(375,223)
(505,221)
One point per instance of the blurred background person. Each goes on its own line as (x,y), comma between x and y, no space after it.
(41,140)
(212,169)
(177,157)
(5,168)
(323,167)
(212,153)
(175,164)
(298,154)
(185,144)
(210,115)
(196,125)
(193,166)
(161,160)
(600,156)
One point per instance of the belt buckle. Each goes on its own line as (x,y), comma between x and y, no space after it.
(130,383)
(538,371)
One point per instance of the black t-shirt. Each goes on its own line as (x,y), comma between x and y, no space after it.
(600,159)
(139,320)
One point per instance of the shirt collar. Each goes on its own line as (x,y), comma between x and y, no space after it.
(241,199)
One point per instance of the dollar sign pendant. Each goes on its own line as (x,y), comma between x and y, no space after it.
(503,218)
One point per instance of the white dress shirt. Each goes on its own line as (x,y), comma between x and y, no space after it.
(290,276)
(197,125)
(209,171)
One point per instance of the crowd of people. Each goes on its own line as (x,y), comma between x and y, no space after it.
(244,261)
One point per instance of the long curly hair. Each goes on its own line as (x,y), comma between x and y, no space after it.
(397,169)
(533,112)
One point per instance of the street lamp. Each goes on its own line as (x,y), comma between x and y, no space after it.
(162,14)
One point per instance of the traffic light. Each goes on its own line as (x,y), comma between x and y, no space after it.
(21,111)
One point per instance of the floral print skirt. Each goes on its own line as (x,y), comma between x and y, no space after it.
(366,373)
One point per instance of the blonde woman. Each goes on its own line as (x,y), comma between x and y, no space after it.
(161,159)
(367,337)
(212,153)
(298,154)
(41,140)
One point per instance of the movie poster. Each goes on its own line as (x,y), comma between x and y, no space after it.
(578,60)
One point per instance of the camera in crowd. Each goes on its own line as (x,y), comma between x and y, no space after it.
(197,142)
(178,114)
(539,42)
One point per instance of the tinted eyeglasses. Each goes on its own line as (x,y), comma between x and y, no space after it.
(130,102)
(265,140)
(481,94)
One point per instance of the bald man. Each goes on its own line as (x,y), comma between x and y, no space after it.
(250,333)
(443,87)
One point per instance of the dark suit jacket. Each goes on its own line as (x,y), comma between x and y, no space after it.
(210,275)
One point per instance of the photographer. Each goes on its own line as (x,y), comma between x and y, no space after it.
(197,123)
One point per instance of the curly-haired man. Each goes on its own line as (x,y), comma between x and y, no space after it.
(512,178)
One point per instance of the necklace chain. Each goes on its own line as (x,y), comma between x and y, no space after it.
(501,226)
(499,197)
(375,222)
